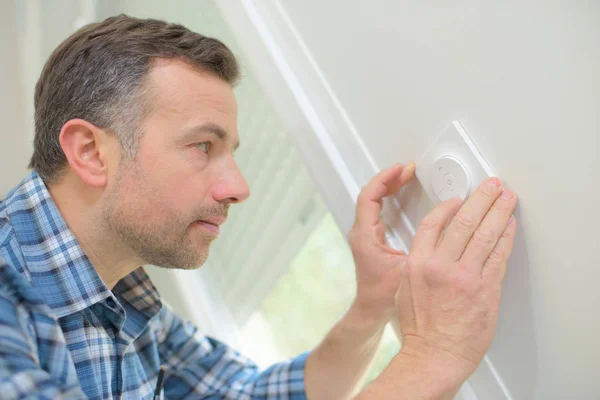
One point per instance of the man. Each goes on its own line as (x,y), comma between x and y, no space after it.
(133,164)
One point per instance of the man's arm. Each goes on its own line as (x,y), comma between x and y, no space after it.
(336,367)
(202,367)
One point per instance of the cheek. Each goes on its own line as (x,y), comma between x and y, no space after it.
(183,192)
(186,194)
(136,194)
(179,181)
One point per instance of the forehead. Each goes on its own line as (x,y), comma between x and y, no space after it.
(184,96)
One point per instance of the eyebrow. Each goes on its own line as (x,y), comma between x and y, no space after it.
(212,128)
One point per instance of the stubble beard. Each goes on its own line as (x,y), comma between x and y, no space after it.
(168,242)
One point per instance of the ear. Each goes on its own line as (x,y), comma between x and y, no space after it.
(87,149)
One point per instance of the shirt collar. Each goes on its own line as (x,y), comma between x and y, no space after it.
(55,262)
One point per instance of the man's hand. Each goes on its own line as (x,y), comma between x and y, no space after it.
(450,294)
(448,302)
(378,266)
(335,368)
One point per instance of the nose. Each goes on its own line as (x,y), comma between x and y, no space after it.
(231,187)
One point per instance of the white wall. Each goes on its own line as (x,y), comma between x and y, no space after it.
(523,80)
(14,139)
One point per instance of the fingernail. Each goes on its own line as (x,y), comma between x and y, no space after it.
(495,182)
(507,195)
(511,220)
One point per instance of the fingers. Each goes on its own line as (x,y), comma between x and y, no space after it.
(495,265)
(407,174)
(469,217)
(385,183)
(492,227)
(433,224)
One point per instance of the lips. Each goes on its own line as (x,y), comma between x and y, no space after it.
(209,225)
(214,221)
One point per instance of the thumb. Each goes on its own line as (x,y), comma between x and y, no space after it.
(385,183)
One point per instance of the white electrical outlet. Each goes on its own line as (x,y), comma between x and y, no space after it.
(452,166)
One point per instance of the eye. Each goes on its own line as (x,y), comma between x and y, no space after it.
(204,146)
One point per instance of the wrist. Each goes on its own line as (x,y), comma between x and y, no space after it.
(413,375)
(368,316)
(426,352)
(440,372)
(435,378)
(361,327)
(355,334)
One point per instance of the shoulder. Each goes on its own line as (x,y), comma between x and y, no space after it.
(18,298)
(18,305)
(14,279)
(5,227)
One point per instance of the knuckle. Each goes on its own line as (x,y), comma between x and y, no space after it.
(428,223)
(484,237)
(465,221)
(434,268)
(460,283)
(503,204)
(362,195)
(464,286)
(508,233)
(489,191)
(496,256)
(466,283)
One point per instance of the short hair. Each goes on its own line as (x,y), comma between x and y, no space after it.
(98,74)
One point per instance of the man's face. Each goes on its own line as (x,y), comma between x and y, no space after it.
(166,204)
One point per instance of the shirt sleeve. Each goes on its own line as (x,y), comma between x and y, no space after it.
(21,375)
(199,367)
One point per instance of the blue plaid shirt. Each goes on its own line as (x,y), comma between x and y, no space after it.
(64,334)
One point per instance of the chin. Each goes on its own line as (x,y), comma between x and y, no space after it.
(192,264)
(184,261)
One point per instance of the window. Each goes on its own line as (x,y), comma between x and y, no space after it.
(306,302)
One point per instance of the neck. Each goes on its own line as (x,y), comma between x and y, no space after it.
(81,208)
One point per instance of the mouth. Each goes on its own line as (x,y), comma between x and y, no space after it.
(211,227)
